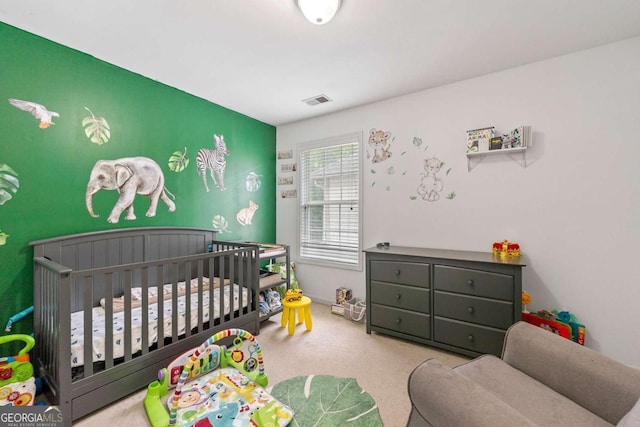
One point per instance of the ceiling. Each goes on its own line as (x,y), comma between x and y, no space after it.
(262,58)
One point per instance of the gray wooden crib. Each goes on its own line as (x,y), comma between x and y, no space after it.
(95,295)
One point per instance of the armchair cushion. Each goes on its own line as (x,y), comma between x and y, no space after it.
(455,400)
(532,399)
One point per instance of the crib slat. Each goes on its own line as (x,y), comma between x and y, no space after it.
(87,303)
(232,282)
(174,303)
(187,299)
(200,294)
(211,273)
(127,315)
(145,310)
(108,324)
(160,282)
(240,281)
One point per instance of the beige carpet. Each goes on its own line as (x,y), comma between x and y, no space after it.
(335,346)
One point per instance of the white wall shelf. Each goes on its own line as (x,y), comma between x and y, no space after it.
(479,155)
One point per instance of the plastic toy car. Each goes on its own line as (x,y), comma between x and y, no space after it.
(293,295)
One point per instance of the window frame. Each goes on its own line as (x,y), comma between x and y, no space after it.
(355,137)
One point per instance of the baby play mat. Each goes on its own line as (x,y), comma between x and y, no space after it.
(226,398)
(216,386)
(325,400)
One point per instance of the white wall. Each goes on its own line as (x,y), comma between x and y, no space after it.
(575,208)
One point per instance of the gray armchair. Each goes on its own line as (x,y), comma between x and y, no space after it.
(540,380)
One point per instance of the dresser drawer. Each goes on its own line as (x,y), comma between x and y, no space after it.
(401,296)
(473,282)
(408,273)
(481,339)
(483,311)
(406,322)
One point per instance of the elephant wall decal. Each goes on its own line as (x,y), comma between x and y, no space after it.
(130,176)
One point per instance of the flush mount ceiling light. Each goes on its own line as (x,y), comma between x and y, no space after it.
(319,11)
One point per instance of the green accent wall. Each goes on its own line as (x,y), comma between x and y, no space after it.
(145,118)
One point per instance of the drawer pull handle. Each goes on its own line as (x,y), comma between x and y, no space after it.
(470,310)
(470,338)
(398,296)
(397,272)
(470,282)
(398,320)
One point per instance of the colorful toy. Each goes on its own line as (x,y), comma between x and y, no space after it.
(578,330)
(506,249)
(215,385)
(293,295)
(17,384)
(542,320)
(562,323)
(526,300)
(17,317)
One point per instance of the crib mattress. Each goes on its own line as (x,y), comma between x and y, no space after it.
(99,319)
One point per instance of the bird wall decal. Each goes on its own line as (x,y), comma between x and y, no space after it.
(38,111)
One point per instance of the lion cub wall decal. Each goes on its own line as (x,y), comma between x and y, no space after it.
(379,143)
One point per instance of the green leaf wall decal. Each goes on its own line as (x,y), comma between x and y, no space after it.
(220,224)
(96,128)
(252,182)
(9,183)
(178,161)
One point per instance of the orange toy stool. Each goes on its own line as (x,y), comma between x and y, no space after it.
(289,314)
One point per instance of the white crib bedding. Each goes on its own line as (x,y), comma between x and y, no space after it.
(98,316)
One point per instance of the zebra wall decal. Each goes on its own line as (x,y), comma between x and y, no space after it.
(214,161)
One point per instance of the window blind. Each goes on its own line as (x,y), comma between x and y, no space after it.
(330,202)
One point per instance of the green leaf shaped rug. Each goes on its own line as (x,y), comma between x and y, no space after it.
(325,400)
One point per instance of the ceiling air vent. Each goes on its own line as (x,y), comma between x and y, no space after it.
(315,100)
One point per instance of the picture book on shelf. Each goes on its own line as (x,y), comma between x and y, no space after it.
(517,138)
(495,143)
(478,139)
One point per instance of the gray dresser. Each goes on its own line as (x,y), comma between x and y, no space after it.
(457,300)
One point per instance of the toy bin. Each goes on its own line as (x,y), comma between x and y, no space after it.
(17,384)
(355,310)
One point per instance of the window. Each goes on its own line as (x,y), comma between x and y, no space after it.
(330,220)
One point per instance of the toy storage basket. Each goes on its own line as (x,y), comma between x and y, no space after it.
(17,383)
(355,310)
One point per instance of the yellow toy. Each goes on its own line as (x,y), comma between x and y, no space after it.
(506,249)
(526,300)
(293,295)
